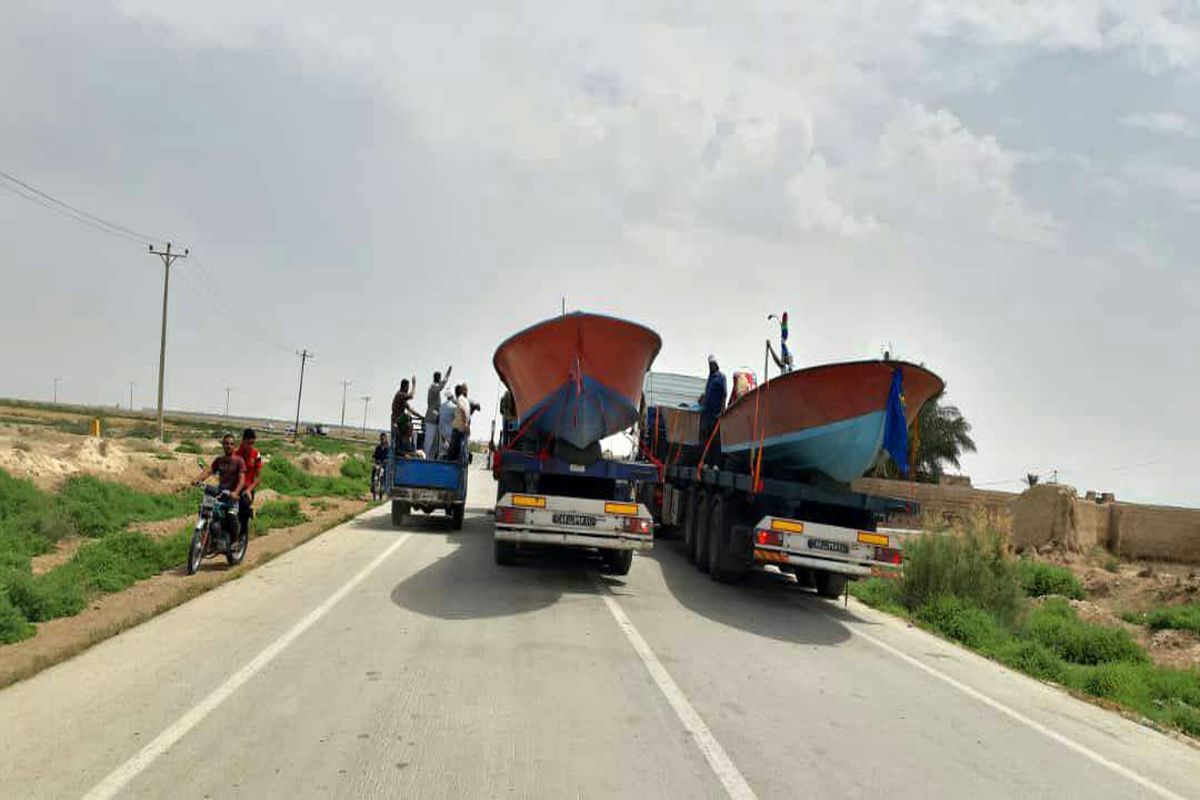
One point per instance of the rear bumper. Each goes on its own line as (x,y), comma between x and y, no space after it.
(573,539)
(430,497)
(851,568)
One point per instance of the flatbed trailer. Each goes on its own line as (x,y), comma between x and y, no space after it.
(824,534)
(543,501)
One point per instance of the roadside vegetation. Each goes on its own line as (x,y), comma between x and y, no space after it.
(967,588)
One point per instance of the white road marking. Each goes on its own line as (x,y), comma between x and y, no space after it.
(122,775)
(726,771)
(1054,735)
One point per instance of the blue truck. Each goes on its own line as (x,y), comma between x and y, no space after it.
(426,484)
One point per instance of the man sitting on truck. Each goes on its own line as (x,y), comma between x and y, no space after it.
(712,403)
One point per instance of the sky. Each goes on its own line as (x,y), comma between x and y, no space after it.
(1007,192)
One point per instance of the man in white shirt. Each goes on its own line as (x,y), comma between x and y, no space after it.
(461,432)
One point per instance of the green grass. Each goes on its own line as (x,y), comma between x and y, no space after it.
(277,514)
(331,446)
(99,507)
(1055,625)
(13,625)
(1183,617)
(973,567)
(356,469)
(982,606)
(286,478)
(1039,579)
(188,447)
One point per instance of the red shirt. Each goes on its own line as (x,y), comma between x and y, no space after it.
(253,464)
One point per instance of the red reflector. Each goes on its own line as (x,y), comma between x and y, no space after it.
(635,525)
(889,555)
(509,515)
(766,537)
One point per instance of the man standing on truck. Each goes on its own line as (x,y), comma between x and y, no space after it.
(403,414)
(712,403)
(461,434)
(433,401)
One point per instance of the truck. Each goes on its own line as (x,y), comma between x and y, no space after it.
(814,528)
(548,500)
(426,484)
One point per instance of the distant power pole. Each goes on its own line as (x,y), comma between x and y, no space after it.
(366,398)
(131,395)
(345,383)
(168,258)
(228,389)
(56,391)
(304,356)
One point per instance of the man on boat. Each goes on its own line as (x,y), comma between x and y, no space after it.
(433,400)
(712,403)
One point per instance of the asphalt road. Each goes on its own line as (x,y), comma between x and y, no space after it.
(404,663)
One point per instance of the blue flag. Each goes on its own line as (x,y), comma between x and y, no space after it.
(895,427)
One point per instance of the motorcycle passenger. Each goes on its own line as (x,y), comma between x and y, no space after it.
(230,470)
(381,451)
(253,462)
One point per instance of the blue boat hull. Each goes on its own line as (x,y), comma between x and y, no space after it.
(582,417)
(843,450)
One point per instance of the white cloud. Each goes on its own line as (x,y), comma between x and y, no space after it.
(814,207)
(1183,182)
(1163,122)
(941,161)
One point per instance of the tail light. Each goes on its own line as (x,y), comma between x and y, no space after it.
(508,515)
(638,526)
(768,538)
(889,555)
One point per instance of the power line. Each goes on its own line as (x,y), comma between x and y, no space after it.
(46,200)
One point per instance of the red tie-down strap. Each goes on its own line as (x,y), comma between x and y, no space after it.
(499,454)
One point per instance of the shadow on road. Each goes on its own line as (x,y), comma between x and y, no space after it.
(467,583)
(766,604)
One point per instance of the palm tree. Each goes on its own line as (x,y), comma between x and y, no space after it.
(941,435)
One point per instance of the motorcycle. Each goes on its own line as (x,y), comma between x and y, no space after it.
(378,482)
(217,530)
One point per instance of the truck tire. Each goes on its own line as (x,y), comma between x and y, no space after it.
(399,512)
(456,517)
(689,523)
(617,562)
(506,554)
(829,584)
(724,565)
(700,532)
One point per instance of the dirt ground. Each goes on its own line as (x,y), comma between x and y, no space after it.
(1116,588)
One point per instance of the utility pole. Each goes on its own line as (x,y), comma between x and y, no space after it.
(168,258)
(56,391)
(366,398)
(304,356)
(228,389)
(345,383)
(131,395)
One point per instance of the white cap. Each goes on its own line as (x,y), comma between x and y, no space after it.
(712,359)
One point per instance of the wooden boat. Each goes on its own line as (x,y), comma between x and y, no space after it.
(827,419)
(578,376)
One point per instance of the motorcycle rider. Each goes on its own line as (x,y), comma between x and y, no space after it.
(379,458)
(230,470)
(253,462)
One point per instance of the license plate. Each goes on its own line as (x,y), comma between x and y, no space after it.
(578,520)
(425,495)
(828,546)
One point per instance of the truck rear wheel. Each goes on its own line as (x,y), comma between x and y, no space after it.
(700,531)
(399,512)
(506,554)
(724,565)
(456,517)
(617,562)
(829,584)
